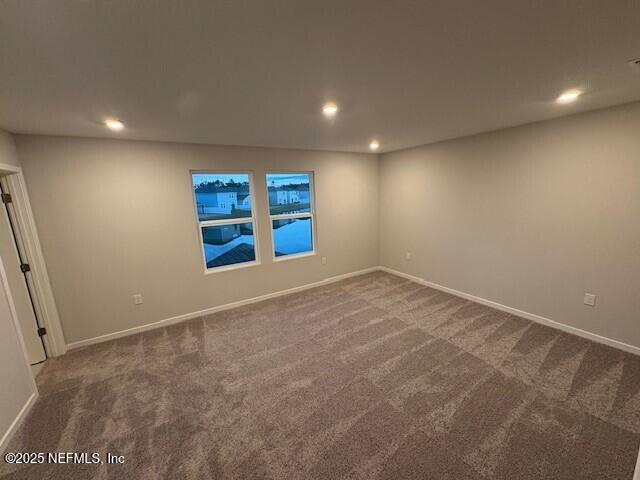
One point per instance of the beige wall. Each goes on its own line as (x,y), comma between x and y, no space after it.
(116,218)
(530,217)
(15,378)
(8,154)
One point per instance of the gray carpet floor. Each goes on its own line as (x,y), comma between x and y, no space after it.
(371,377)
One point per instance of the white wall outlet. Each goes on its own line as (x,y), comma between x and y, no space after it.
(590,299)
(137,299)
(407,256)
(324,260)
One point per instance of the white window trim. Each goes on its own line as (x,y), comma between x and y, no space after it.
(293,256)
(253,219)
(310,214)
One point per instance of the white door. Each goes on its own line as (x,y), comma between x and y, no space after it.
(16,379)
(19,291)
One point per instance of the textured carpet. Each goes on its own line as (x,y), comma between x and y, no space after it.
(371,377)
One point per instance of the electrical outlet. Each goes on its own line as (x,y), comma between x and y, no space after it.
(324,260)
(407,256)
(137,299)
(590,299)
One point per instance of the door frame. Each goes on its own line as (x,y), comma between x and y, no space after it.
(45,304)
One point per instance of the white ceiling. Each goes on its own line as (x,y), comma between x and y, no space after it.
(255,72)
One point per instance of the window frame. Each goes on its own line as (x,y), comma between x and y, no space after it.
(311,214)
(253,219)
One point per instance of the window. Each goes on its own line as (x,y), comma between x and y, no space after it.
(291,213)
(226,218)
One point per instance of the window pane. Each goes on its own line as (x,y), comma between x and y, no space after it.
(220,196)
(291,236)
(228,244)
(288,193)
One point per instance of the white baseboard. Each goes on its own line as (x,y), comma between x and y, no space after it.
(15,425)
(207,311)
(520,313)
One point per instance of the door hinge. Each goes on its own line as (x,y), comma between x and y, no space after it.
(25,267)
(6,198)
(42,331)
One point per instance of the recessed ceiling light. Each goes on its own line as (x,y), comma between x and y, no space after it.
(374,145)
(113,124)
(330,109)
(569,96)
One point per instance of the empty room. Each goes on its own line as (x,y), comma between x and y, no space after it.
(339,239)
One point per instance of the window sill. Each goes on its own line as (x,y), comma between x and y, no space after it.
(227,268)
(284,258)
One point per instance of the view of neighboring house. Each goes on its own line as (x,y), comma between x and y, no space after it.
(221,198)
(288,194)
(224,198)
(219,202)
(244,201)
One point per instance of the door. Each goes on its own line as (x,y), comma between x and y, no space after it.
(13,257)
(15,377)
